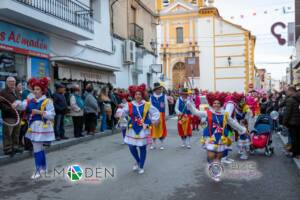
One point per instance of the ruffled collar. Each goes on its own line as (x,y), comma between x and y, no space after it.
(184,100)
(40,99)
(221,112)
(138,104)
(157,96)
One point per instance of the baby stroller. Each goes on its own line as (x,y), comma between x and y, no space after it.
(261,136)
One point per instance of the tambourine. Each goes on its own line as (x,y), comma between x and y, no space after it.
(17,117)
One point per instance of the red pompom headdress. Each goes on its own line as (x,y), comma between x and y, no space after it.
(234,97)
(217,96)
(137,88)
(123,95)
(42,83)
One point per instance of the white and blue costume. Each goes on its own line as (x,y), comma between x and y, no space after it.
(40,129)
(215,135)
(137,135)
(244,141)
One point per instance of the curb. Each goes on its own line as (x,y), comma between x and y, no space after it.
(284,140)
(56,145)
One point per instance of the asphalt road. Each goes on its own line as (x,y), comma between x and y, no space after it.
(173,173)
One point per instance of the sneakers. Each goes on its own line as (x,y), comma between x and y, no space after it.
(138,169)
(152,147)
(183,145)
(216,179)
(162,148)
(189,146)
(244,157)
(135,167)
(225,161)
(141,171)
(36,175)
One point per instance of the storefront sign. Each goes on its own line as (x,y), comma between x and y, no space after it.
(23,41)
(39,67)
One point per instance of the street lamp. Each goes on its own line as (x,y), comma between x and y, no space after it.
(153,45)
(229,61)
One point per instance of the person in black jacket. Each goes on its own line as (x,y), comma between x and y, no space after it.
(61,107)
(291,119)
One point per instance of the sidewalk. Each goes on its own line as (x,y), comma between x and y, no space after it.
(284,140)
(56,145)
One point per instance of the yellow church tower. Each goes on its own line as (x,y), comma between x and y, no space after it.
(198,48)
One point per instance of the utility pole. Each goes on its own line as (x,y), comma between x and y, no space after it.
(291,70)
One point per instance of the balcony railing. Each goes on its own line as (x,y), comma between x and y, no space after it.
(70,11)
(137,34)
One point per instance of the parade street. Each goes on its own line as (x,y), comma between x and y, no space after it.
(174,173)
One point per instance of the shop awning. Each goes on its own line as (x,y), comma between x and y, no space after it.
(78,73)
(83,63)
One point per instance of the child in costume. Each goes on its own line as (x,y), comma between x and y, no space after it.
(123,121)
(141,115)
(244,141)
(230,104)
(40,130)
(216,135)
(184,124)
(159,101)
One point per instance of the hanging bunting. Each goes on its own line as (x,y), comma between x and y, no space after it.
(285,10)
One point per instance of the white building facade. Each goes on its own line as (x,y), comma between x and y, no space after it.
(68,41)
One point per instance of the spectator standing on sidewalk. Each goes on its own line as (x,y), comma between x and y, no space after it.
(10,133)
(105,108)
(171,102)
(291,119)
(114,104)
(77,106)
(91,110)
(61,107)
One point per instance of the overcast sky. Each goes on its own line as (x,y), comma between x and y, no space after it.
(258,17)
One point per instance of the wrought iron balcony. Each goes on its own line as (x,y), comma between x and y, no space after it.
(137,34)
(70,11)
